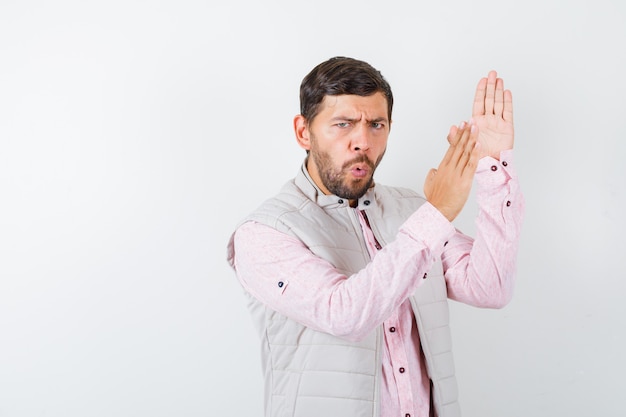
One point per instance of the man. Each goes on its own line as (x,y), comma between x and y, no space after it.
(348,280)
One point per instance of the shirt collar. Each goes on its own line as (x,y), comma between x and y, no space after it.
(306,184)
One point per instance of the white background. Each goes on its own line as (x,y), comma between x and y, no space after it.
(134,135)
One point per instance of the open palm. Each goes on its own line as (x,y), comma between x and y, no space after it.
(492,112)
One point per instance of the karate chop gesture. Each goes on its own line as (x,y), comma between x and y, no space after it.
(447,187)
(489,132)
(493,114)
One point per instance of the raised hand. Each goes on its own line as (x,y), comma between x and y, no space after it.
(492,112)
(448,187)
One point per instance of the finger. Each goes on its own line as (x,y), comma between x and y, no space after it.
(449,157)
(469,144)
(507,113)
(459,156)
(456,149)
(469,160)
(479,98)
(490,93)
(499,97)
(454,134)
(472,162)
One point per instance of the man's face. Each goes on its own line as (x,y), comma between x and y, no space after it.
(347,140)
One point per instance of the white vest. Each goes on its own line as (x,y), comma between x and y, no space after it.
(314,374)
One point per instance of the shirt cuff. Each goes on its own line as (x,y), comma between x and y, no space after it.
(492,172)
(429,226)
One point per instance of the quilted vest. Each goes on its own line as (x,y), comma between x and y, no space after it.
(314,374)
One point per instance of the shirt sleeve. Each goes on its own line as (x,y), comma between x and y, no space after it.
(481,271)
(281,272)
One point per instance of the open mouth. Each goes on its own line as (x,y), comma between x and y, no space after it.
(359,170)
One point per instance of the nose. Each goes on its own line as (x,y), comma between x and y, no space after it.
(361,139)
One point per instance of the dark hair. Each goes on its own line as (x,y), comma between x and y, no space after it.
(337,76)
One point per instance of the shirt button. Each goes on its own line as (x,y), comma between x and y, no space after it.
(425,275)
(340,201)
(504,163)
(392,329)
(366,202)
(508,204)
(407,415)
(445,243)
(494,168)
(401,370)
(280,284)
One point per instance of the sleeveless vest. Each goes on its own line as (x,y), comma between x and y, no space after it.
(314,374)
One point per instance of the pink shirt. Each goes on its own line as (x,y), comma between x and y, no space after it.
(478,272)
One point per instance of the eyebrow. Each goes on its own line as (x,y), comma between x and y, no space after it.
(351,119)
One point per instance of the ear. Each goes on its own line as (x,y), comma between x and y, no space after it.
(301,128)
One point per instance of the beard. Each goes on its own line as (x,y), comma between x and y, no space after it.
(336,180)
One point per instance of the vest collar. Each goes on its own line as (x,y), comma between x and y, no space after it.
(308,187)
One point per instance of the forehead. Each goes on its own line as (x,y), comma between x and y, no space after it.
(372,106)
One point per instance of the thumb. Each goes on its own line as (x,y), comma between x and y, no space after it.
(428,183)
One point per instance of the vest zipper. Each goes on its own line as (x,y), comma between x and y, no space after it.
(367,221)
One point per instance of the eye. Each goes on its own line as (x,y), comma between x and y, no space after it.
(377,125)
(343,124)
